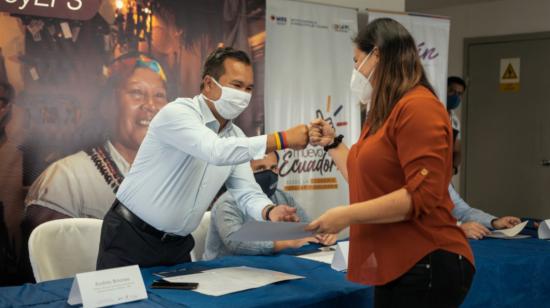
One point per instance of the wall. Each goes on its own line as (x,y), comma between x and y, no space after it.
(489,19)
(388,5)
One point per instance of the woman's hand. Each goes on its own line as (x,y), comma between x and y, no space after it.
(321,132)
(332,221)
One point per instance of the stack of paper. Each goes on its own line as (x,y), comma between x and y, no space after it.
(510,233)
(221,281)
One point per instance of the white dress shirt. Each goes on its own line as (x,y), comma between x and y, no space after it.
(183,162)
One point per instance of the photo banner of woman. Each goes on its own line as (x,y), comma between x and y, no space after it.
(57,67)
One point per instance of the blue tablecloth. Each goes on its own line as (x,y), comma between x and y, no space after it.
(322,287)
(510,273)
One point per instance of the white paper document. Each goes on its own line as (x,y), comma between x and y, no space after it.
(319,256)
(510,233)
(270,231)
(221,281)
(544,230)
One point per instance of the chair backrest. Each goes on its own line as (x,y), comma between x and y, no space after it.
(199,235)
(64,247)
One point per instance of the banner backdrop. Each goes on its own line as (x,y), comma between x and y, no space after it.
(431,35)
(74,107)
(309,63)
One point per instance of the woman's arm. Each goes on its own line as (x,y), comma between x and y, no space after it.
(422,137)
(393,207)
(340,157)
(322,133)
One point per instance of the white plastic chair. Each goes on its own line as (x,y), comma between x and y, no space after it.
(64,247)
(199,235)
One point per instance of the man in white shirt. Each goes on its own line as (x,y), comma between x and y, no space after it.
(191,149)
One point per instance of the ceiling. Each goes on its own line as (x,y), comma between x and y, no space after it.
(421,5)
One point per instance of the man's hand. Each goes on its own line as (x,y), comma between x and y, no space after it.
(282,245)
(326,239)
(505,222)
(332,221)
(474,230)
(297,137)
(321,132)
(283,213)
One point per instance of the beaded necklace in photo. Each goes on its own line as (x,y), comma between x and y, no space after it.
(106,166)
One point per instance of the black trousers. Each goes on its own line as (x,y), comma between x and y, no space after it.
(125,243)
(441,279)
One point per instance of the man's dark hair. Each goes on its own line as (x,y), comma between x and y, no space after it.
(457,80)
(213,66)
(8,91)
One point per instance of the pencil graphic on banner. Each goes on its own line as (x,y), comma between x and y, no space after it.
(328,104)
(337,111)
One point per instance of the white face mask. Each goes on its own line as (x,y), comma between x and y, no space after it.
(361,88)
(231,103)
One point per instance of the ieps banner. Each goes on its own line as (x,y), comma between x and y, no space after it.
(431,34)
(308,61)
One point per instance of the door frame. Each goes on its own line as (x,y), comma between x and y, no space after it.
(469,42)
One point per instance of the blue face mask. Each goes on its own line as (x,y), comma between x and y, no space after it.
(267,180)
(453,101)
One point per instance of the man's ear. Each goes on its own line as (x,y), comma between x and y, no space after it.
(207,82)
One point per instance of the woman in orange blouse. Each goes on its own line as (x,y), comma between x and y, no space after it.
(403,238)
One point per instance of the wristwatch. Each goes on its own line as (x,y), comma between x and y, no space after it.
(336,142)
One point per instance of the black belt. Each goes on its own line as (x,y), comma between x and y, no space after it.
(137,222)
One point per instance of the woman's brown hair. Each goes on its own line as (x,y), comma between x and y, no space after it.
(399,68)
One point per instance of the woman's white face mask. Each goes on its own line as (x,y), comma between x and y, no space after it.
(231,103)
(361,87)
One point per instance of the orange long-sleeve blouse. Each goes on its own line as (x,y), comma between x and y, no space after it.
(412,150)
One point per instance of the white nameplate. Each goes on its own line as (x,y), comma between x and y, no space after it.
(108,287)
(340,260)
(544,229)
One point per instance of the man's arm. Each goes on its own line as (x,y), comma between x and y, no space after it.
(463,212)
(182,127)
(228,219)
(282,197)
(251,199)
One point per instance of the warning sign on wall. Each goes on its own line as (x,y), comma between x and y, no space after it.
(509,74)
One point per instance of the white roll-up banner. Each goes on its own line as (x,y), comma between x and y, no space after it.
(309,60)
(431,34)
